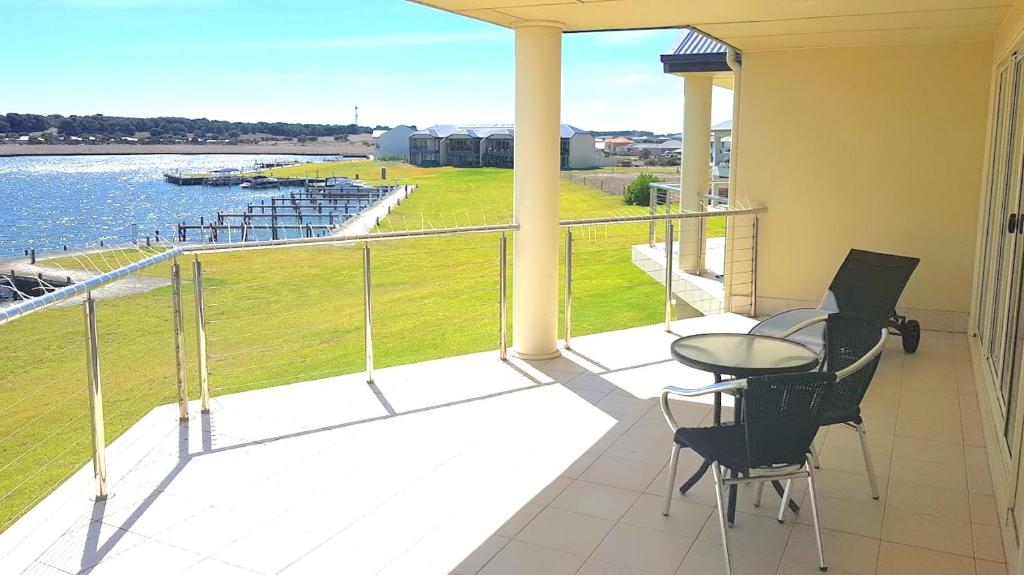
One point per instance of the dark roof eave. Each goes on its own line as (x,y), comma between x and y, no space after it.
(684,63)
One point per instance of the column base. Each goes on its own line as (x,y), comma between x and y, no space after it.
(536,356)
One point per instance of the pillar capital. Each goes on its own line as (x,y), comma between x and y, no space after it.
(537,24)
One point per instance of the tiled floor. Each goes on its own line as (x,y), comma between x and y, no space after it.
(469,465)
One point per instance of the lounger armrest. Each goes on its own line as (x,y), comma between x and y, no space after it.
(721,387)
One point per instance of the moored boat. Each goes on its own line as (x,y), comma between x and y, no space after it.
(262,182)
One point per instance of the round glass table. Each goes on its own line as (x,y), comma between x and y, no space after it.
(740,355)
(743,355)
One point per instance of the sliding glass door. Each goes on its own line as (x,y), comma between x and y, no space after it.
(998,303)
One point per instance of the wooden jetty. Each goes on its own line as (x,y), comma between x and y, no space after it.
(15,286)
(248,232)
(276,164)
(311,212)
(215,179)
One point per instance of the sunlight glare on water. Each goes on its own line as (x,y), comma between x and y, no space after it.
(52,201)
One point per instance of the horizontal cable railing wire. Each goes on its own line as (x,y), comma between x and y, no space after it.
(272,317)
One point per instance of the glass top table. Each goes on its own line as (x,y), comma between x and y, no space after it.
(743,355)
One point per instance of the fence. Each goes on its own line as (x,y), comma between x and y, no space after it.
(78,372)
(705,263)
(222,318)
(613,182)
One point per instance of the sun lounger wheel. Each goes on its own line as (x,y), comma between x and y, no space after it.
(911,332)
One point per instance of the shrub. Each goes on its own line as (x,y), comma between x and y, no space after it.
(639,191)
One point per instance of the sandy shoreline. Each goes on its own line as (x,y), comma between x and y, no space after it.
(309,149)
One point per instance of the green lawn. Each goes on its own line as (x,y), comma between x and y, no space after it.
(286,315)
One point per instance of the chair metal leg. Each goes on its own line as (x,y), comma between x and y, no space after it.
(814,457)
(814,513)
(716,472)
(785,501)
(673,463)
(760,491)
(870,467)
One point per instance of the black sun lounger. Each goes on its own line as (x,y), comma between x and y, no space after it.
(868,284)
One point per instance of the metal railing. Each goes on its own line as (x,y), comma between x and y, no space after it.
(580,235)
(677,258)
(367,275)
(31,434)
(118,267)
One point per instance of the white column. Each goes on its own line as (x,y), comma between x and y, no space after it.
(535,255)
(695,162)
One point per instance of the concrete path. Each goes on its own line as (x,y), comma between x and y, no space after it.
(131,285)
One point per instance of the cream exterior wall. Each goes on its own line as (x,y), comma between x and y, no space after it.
(879,148)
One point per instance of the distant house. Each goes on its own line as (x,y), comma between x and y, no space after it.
(721,148)
(617,145)
(493,146)
(661,148)
(393,143)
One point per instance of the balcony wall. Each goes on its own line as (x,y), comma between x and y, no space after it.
(873,147)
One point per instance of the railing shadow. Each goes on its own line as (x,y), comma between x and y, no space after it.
(94,552)
(534,374)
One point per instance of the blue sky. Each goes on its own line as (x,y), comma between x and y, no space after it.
(313,61)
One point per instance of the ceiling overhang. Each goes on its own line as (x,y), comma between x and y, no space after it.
(760,24)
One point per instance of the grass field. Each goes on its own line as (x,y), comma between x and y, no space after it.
(286,315)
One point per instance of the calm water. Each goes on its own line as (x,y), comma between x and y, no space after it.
(52,201)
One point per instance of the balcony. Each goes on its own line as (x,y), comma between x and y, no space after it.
(470,465)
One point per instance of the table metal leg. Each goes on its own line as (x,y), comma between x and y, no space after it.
(695,477)
(718,402)
(779,489)
(737,411)
(731,515)
(689,483)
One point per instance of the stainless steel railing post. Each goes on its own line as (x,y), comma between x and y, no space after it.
(367,313)
(179,341)
(653,200)
(701,242)
(503,297)
(568,287)
(204,373)
(99,459)
(668,275)
(753,268)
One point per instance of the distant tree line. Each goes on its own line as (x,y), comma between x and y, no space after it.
(100,125)
(625,133)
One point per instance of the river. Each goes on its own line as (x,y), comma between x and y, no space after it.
(78,201)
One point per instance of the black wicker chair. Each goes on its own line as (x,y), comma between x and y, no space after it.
(867,283)
(781,418)
(853,348)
